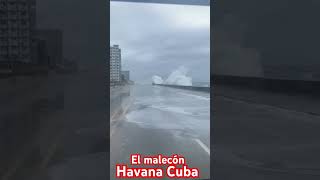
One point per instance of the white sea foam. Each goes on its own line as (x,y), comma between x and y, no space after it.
(172,109)
(177,77)
(195,96)
(157,79)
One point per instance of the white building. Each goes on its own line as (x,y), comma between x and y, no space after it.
(115,64)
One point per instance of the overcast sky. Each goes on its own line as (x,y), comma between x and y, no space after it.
(157,38)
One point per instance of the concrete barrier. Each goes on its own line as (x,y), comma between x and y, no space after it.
(192,88)
(268,84)
(27,102)
(118,100)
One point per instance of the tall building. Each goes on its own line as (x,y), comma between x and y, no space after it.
(115,64)
(40,53)
(53,40)
(17,24)
(125,75)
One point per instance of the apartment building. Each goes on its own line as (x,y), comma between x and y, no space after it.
(17,25)
(115,64)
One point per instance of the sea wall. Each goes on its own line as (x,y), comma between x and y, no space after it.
(275,85)
(119,99)
(26,103)
(192,88)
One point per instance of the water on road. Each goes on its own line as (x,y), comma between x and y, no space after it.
(163,120)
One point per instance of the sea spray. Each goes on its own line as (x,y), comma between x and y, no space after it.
(157,79)
(177,77)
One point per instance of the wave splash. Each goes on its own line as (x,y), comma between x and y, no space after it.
(157,80)
(177,77)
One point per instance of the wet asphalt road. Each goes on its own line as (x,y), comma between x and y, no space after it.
(162,120)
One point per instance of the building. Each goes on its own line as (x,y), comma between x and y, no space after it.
(125,75)
(54,44)
(115,64)
(17,24)
(40,53)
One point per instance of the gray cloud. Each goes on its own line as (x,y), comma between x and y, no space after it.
(156,39)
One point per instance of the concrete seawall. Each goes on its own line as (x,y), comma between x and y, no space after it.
(267,84)
(192,88)
(119,100)
(27,104)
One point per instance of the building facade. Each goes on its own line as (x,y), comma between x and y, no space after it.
(115,64)
(125,75)
(54,43)
(17,25)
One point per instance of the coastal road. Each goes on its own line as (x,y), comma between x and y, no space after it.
(163,120)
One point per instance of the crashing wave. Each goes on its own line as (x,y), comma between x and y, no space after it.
(177,77)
